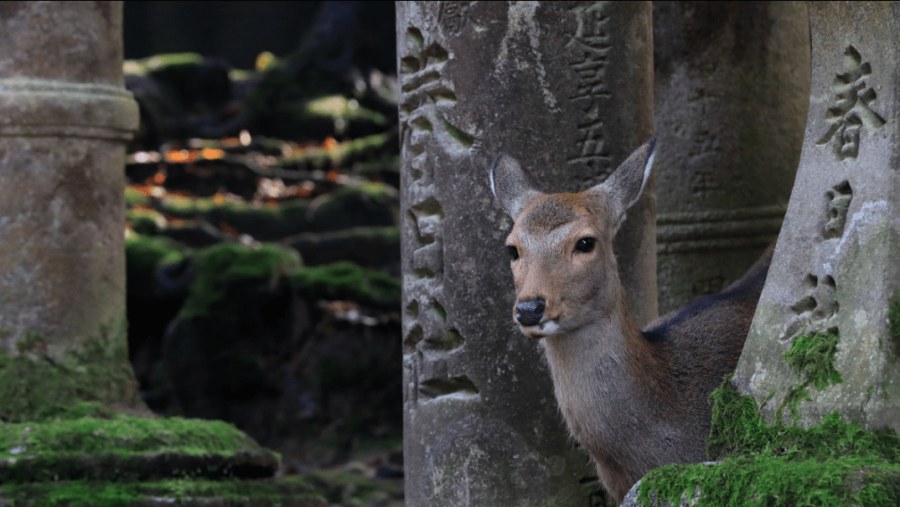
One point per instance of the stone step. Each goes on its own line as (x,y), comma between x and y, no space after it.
(129,448)
(286,492)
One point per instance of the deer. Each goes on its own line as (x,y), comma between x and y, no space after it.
(633,398)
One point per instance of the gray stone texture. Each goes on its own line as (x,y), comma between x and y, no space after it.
(566,89)
(64,121)
(731,93)
(835,267)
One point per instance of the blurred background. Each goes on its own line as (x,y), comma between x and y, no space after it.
(262,230)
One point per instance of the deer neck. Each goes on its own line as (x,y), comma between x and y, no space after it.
(604,364)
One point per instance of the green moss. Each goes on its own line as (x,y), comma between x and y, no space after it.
(123,435)
(339,107)
(264,223)
(220,267)
(134,197)
(833,463)
(122,446)
(287,491)
(812,359)
(145,221)
(345,152)
(143,254)
(345,280)
(38,385)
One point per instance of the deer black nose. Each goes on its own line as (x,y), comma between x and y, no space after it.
(530,313)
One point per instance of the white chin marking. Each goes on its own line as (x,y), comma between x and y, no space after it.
(549,327)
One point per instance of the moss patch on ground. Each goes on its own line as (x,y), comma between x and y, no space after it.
(833,463)
(292,491)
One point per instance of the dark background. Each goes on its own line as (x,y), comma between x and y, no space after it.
(239,31)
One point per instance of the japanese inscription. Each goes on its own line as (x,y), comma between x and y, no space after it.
(588,58)
(852,109)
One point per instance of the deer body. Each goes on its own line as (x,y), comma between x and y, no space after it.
(634,399)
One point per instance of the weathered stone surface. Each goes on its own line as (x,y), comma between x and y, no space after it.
(64,119)
(566,89)
(732,89)
(835,269)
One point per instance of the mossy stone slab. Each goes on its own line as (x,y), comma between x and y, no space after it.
(129,448)
(290,492)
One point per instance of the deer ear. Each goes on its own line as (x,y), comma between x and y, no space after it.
(510,185)
(625,185)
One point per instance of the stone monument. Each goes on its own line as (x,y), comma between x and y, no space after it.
(64,121)
(732,88)
(826,335)
(73,429)
(566,89)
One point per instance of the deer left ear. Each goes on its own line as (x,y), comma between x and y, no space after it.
(625,185)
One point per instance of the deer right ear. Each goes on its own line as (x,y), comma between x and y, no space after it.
(510,185)
(626,184)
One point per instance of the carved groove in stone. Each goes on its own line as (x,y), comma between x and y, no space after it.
(851,109)
(431,347)
(839,198)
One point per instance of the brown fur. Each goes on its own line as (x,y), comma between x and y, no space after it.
(634,399)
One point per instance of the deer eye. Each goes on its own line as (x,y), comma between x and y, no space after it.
(585,245)
(512,251)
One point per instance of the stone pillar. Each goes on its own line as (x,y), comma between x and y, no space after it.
(64,121)
(825,335)
(732,88)
(566,89)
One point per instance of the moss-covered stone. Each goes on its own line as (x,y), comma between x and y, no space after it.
(144,221)
(128,447)
(366,204)
(345,280)
(833,463)
(221,266)
(264,223)
(286,492)
(811,357)
(143,254)
(38,384)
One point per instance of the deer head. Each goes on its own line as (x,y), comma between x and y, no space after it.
(561,245)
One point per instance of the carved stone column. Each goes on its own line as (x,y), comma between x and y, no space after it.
(732,88)
(566,89)
(832,296)
(64,121)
